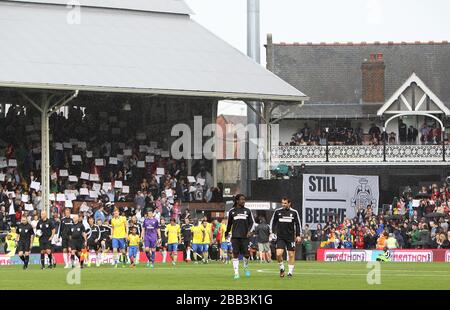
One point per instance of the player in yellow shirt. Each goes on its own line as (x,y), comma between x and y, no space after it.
(225,244)
(133,246)
(198,235)
(173,233)
(119,225)
(207,240)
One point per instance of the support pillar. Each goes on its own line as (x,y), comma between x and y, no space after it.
(214,161)
(45,154)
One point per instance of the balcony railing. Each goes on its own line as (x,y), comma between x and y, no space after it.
(360,154)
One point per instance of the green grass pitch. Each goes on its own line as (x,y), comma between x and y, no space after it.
(217,276)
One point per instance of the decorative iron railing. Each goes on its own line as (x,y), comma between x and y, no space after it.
(360,154)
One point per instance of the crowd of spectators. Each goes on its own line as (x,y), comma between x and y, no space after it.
(429,134)
(412,221)
(97,158)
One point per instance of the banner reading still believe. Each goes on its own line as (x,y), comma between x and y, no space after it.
(340,195)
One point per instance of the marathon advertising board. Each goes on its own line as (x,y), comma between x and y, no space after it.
(412,256)
(400,255)
(346,255)
(337,197)
(35,259)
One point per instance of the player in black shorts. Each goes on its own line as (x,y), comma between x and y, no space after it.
(241,225)
(186,237)
(45,231)
(24,240)
(163,246)
(64,233)
(93,244)
(77,240)
(105,237)
(285,224)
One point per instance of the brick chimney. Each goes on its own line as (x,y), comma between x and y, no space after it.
(373,79)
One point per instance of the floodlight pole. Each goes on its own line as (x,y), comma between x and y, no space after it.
(253,51)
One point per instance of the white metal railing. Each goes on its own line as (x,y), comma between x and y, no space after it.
(359,154)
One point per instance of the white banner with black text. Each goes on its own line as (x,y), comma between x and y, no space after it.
(336,197)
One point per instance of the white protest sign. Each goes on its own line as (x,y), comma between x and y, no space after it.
(35,185)
(12,163)
(165,154)
(125,189)
(63,173)
(58,146)
(76,158)
(25,198)
(118,184)
(84,191)
(150,158)
(142,148)
(94,177)
(113,160)
(160,171)
(73,178)
(169,193)
(11,194)
(84,176)
(60,197)
(99,162)
(29,207)
(141,164)
(71,196)
(96,187)
(339,195)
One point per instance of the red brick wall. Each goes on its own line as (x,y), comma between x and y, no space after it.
(373,79)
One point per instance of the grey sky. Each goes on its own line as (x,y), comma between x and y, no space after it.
(327,21)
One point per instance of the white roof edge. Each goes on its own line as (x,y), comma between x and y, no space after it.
(406,84)
(161,6)
(167,92)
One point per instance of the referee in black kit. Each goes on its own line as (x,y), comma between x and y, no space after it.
(45,230)
(285,224)
(241,225)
